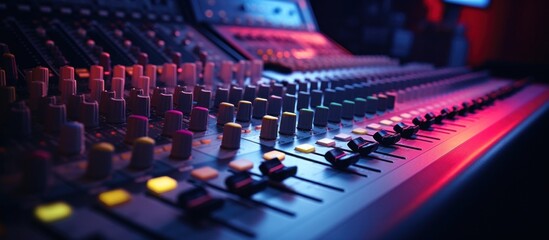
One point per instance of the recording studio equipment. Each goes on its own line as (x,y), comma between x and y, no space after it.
(206,119)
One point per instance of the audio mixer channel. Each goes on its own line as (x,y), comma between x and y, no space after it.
(225,119)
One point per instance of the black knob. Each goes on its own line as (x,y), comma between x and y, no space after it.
(362,146)
(276,171)
(384,138)
(341,160)
(405,130)
(422,123)
(198,202)
(242,183)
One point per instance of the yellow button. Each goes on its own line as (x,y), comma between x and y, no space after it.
(205,173)
(274,154)
(52,212)
(374,126)
(161,185)
(114,197)
(326,142)
(360,131)
(241,165)
(305,148)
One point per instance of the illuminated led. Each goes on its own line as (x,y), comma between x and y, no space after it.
(52,212)
(241,165)
(359,131)
(374,126)
(114,197)
(274,154)
(205,173)
(161,185)
(396,119)
(406,115)
(343,137)
(326,142)
(386,122)
(305,148)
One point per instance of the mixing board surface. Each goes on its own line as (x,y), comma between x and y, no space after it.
(226,120)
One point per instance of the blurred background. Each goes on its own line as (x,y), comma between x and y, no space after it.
(509,37)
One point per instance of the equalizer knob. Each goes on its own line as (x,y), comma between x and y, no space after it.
(244,112)
(305,121)
(199,119)
(19,120)
(55,117)
(231,136)
(181,144)
(142,153)
(269,127)
(116,112)
(287,123)
(89,114)
(173,121)
(100,160)
(225,113)
(138,126)
(71,140)
(259,108)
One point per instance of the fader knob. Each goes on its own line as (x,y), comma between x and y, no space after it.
(360,145)
(138,126)
(199,119)
(276,171)
(173,121)
(71,140)
(100,160)
(142,153)
(384,138)
(231,136)
(181,144)
(339,159)
(269,127)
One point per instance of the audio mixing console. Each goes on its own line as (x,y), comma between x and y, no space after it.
(226,120)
